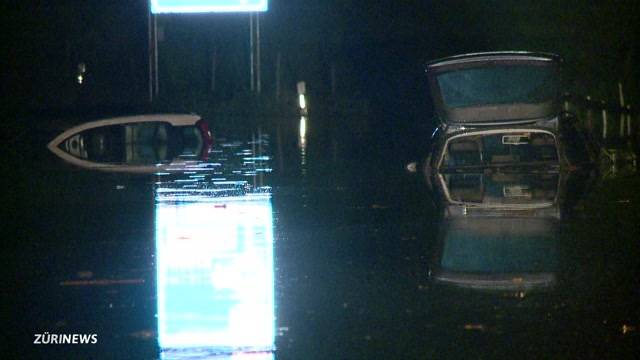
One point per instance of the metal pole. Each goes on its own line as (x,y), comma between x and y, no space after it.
(214,64)
(629,120)
(150,53)
(251,51)
(622,115)
(589,115)
(155,54)
(278,60)
(259,82)
(604,122)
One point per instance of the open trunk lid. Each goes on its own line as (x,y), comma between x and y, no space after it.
(495,88)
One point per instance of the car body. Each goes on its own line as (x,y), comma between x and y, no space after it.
(135,144)
(499,109)
(499,165)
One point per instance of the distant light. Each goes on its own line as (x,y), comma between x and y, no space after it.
(204,6)
(302,101)
(80,79)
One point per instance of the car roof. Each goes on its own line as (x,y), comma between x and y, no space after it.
(494,55)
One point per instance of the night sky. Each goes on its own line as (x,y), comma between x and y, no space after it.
(378,47)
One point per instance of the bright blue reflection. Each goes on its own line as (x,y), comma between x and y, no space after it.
(215,276)
(198,6)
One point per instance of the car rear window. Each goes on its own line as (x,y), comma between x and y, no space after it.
(506,84)
(512,148)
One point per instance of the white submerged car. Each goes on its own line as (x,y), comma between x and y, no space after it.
(135,144)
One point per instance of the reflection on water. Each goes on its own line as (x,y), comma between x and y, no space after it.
(215,275)
(302,143)
(498,253)
(498,193)
(499,231)
(303,130)
(214,249)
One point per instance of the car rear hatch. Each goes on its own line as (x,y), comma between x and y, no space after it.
(496,88)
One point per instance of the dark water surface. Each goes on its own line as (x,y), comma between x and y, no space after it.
(325,250)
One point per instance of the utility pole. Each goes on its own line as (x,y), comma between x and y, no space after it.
(155,54)
(251,52)
(150,52)
(258,75)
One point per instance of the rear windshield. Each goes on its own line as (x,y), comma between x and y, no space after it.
(512,148)
(496,85)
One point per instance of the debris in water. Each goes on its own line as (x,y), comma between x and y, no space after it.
(85,274)
(478,327)
(627,329)
(143,334)
(282,330)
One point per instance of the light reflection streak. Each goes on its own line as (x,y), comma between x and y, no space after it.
(215,279)
(303,129)
(302,142)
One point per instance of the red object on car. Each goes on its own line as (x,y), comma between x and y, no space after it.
(207,138)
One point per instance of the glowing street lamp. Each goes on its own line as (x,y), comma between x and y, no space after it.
(82,69)
(302,100)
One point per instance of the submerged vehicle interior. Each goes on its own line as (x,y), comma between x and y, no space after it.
(501,148)
(136,143)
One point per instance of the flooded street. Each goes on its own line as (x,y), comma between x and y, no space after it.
(316,246)
(301,180)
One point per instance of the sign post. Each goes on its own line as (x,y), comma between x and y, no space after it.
(207,6)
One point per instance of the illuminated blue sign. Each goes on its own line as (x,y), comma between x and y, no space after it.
(203,6)
(215,277)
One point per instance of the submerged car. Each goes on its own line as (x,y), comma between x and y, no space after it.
(500,109)
(135,144)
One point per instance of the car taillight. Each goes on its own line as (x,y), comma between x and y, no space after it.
(207,138)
